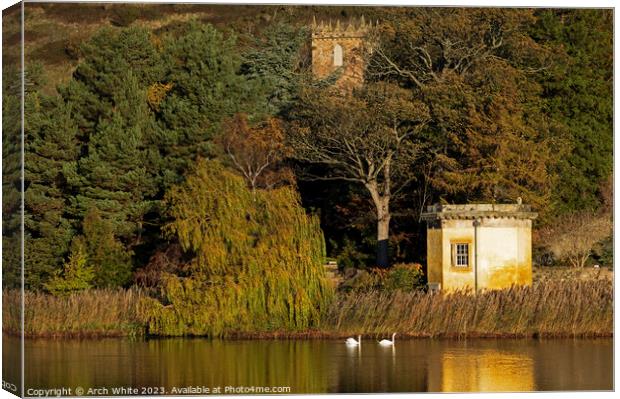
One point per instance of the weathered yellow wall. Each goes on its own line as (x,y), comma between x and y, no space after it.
(434,255)
(497,257)
(457,277)
(525,253)
(504,254)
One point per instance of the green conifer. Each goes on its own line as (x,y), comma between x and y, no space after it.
(51,146)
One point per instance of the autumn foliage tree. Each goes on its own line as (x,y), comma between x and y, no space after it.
(423,46)
(488,136)
(256,150)
(491,104)
(370,138)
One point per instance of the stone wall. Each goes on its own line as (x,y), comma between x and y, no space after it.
(352,39)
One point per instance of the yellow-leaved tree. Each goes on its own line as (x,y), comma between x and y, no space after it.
(257,260)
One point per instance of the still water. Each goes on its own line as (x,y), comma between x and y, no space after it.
(328,366)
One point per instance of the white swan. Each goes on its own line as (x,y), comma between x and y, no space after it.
(387,342)
(353,342)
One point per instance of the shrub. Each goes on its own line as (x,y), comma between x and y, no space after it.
(348,254)
(573,237)
(76,276)
(401,276)
(107,255)
(362,280)
(405,277)
(165,260)
(603,252)
(125,15)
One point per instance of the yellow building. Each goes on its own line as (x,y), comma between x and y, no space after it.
(479,246)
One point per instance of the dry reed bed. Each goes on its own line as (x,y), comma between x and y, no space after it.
(88,313)
(559,308)
(570,308)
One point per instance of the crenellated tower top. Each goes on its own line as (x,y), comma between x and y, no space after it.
(354,29)
(341,48)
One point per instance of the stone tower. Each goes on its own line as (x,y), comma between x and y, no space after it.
(336,48)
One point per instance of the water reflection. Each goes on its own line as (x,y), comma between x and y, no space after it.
(483,370)
(11,360)
(325,366)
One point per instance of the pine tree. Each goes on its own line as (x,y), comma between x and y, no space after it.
(110,260)
(206,87)
(276,62)
(11,177)
(51,146)
(578,92)
(107,59)
(118,169)
(118,176)
(145,106)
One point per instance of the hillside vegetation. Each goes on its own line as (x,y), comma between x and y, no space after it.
(189,151)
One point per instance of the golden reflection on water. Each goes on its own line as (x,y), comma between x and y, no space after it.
(324,366)
(177,363)
(485,371)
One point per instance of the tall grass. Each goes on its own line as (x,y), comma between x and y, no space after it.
(83,314)
(552,308)
(557,308)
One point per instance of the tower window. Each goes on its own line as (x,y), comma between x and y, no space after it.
(337,55)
